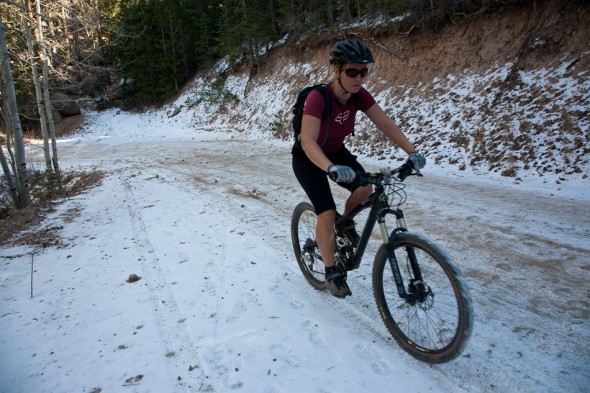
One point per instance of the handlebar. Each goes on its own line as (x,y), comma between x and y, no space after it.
(386,175)
(399,174)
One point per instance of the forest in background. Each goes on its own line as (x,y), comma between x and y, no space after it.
(156,46)
(141,53)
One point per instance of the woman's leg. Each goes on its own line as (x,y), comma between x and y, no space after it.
(356,197)
(325,236)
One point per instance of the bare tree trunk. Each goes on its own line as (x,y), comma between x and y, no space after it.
(273,17)
(9,138)
(45,63)
(9,170)
(38,90)
(22,175)
(98,27)
(8,177)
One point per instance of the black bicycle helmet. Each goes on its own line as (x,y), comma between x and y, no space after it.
(351,51)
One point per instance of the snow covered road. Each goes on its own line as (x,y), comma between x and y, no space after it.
(221,305)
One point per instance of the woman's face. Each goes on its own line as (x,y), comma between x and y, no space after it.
(352,76)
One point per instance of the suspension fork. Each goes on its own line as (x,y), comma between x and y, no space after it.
(389,242)
(401,222)
(401,227)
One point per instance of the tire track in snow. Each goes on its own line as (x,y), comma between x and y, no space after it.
(232,305)
(218,284)
(357,311)
(218,262)
(179,343)
(453,212)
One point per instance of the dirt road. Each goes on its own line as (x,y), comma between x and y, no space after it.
(526,255)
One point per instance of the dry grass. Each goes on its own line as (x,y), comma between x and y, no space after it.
(16,228)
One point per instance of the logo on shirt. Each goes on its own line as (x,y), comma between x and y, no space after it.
(342,117)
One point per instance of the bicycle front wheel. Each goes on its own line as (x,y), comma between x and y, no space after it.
(434,322)
(305,246)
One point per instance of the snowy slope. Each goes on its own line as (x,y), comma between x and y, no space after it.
(203,218)
(198,205)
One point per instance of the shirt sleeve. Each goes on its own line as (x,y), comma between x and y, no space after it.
(366,100)
(315,103)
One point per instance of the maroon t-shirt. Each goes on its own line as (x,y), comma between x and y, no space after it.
(342,117)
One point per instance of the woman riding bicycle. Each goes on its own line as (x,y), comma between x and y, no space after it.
(321,150)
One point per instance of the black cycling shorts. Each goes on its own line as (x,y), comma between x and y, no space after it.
(315,181)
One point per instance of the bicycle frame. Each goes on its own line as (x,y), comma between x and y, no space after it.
(379,209)
(429,315)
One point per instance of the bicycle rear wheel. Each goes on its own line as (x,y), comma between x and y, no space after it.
(434,323)
(303,227)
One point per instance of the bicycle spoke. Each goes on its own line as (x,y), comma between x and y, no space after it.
(429,310)
(433,322)
(303,227)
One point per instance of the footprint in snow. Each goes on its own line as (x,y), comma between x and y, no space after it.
(315,334)
(285,353)
(372,354)
(291,300)
(237,310)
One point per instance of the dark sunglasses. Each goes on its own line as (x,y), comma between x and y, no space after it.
(353,72)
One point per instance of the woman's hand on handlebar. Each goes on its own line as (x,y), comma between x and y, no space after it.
(418,160)
(341,174)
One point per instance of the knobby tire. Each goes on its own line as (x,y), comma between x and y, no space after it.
(436,328)
(303,227)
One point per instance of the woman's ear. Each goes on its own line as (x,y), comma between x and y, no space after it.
(336,68)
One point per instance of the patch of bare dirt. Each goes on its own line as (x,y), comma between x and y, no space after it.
(499,124)
(19,227)
(69,125)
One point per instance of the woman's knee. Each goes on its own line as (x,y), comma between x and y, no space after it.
(328,215)
(364,191)
(327,218)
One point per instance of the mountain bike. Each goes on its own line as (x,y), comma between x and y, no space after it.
(421,294)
